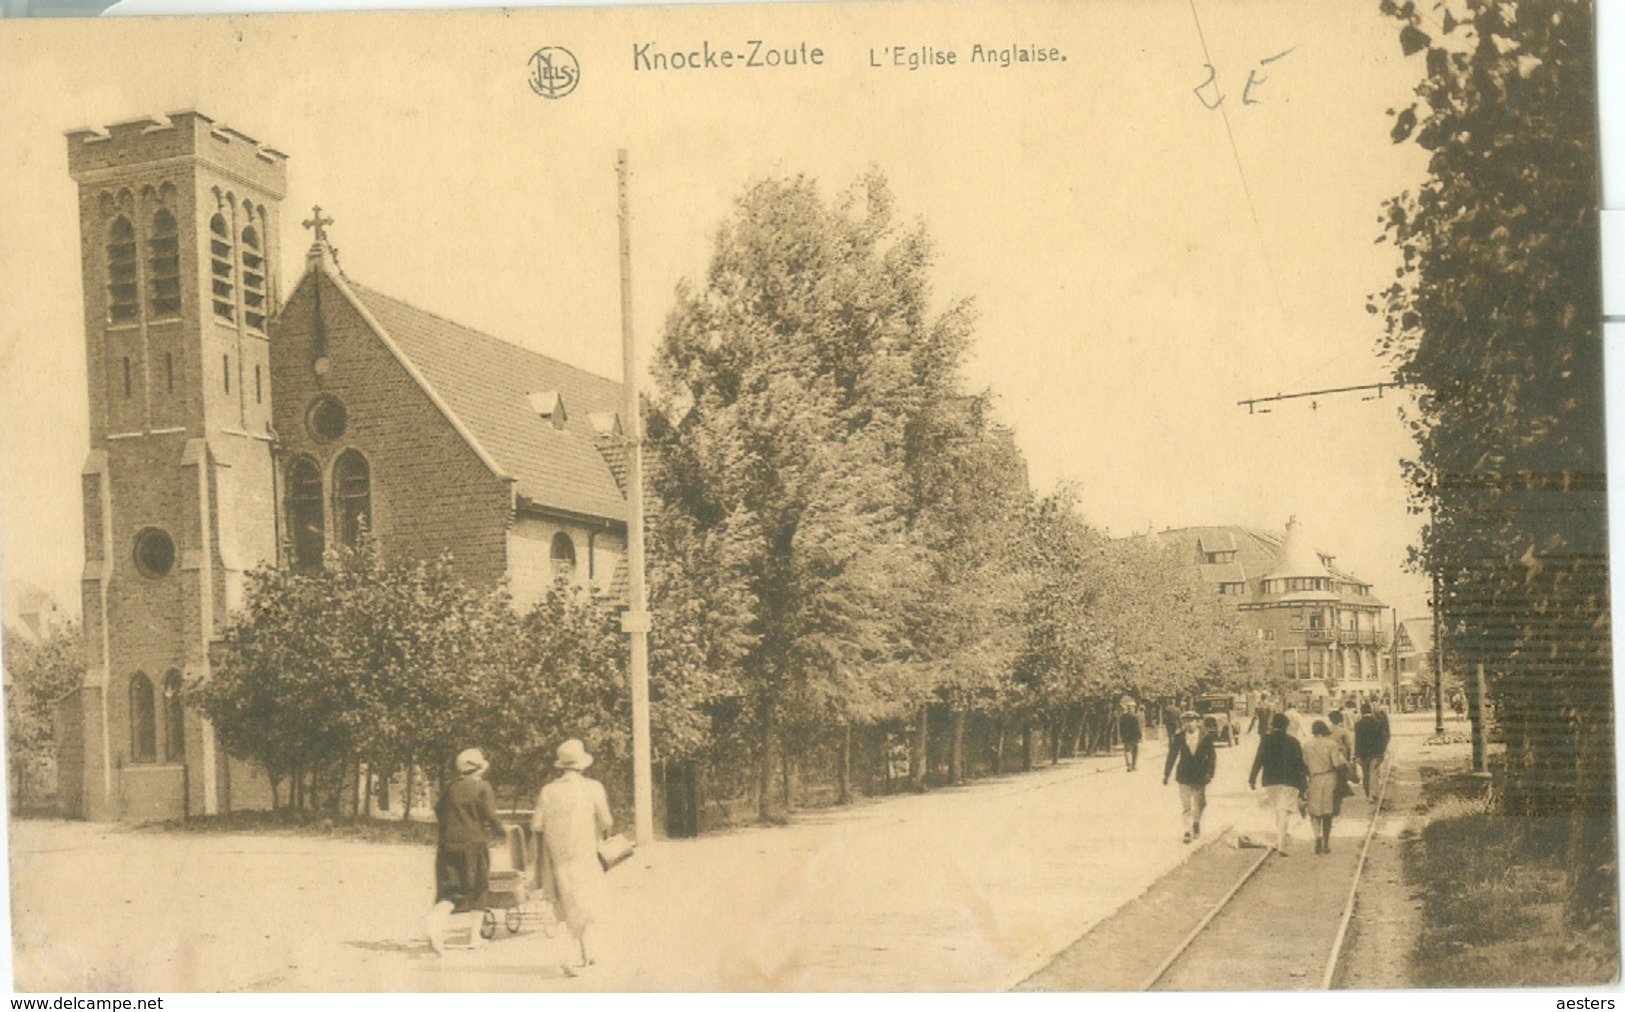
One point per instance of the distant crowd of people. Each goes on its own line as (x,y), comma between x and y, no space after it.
(571,816)
(1305,767)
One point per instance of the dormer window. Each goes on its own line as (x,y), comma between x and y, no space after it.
(122,296)
(224,290)
(549,405)
(164,267)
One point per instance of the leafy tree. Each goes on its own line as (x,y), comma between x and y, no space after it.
(38,672)
(1494,314)
(969,498)
(787,386)
(400,665)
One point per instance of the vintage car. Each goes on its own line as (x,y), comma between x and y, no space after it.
(1218,717)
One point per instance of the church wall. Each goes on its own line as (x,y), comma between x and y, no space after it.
(430,492)
(68,722)
(531,571)
(247,786)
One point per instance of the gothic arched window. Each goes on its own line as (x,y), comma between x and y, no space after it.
(564,557)
(306,529)
(164,266)
(253,279)
(352,496)
(143,720)
(123,302)
(220,267)
(174,718)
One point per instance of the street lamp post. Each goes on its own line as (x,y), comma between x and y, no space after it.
(635,620)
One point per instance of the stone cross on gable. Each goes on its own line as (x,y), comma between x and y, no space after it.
(319,223)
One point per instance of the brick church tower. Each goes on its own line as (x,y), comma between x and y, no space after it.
(178,225)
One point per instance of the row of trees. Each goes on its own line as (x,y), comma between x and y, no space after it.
(1495,313)
(840,537)
(861,533)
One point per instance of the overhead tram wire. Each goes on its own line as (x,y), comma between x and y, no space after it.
(1251,403)
(1246,189)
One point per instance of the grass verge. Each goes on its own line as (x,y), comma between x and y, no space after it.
(1492,899)
(293,823)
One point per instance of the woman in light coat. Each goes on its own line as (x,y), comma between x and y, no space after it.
(572,815)
(1322,755)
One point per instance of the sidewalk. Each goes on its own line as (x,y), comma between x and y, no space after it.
(1278,932)
(971,888)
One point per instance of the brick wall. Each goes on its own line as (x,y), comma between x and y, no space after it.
(431,493)
(152,793)
(180,431)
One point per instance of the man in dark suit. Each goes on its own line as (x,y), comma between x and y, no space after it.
(1370,745)
(1128,729)
(1192,760)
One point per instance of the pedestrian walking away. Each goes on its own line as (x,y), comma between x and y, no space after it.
(1322,758)
(1370,746)
(1343,734)
(572,815)
(1192,760)
(1128,729)
(1280,762)
(467,814)
(1263,716)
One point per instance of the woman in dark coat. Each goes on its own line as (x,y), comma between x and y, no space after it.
(1280,761)
(467,812)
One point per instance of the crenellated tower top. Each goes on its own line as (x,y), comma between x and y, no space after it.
(182,135)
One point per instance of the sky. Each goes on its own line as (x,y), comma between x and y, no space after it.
(1139,262)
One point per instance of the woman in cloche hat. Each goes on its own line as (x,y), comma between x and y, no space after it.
(467,812)
(572,815)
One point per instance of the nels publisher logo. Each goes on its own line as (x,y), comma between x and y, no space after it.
(554,72)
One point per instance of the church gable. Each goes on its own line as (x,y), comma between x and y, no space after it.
(362,436)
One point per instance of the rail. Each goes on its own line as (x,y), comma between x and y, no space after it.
(1338,940)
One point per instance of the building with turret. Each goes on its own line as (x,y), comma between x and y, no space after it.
(1327,633)
(232,428)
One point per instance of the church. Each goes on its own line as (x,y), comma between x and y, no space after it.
(233,426)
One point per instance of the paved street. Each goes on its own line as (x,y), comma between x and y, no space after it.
(966,889)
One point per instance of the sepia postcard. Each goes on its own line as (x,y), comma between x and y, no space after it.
(725,499)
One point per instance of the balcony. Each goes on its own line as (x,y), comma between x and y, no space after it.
(1347,637)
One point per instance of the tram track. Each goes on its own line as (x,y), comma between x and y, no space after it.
(1213,954)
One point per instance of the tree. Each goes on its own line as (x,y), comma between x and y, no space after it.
(38,672)
(1494,313)
(787,386)
(968,501)
(400,665)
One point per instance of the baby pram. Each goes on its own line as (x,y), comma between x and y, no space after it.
(512,888)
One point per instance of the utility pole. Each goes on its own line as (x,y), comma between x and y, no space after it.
(1438,662)
(635,620)
(1394,701)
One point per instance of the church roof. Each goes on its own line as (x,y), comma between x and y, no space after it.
(487,385)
